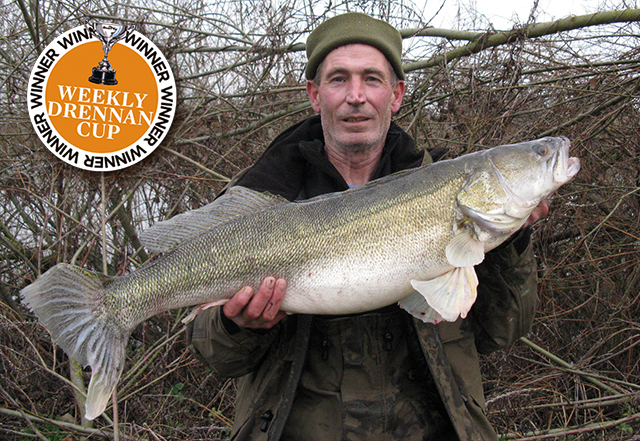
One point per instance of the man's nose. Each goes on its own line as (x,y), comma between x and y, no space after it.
(355,92)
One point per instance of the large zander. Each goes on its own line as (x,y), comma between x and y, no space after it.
(412,237)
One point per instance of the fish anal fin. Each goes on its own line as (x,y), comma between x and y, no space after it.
(452,294)
(417,306)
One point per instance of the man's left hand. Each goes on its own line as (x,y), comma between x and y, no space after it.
(538,213)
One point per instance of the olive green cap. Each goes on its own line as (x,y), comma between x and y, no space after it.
(351,28)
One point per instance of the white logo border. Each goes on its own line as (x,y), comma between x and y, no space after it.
(83,159)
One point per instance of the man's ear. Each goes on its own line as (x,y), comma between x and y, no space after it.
(314,97)
(398,94)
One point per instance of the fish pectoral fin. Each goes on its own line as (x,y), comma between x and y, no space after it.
(197,310)
(417,306)
(451,294)
(465,250)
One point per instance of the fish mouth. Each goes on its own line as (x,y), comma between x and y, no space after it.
(566,167)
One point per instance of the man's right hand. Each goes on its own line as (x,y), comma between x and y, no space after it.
(259,311)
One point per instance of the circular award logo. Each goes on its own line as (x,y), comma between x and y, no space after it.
(101,97)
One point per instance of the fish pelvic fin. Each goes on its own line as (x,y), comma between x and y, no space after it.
(450,295)
(68,301)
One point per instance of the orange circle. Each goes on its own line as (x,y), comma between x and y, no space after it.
(100,118)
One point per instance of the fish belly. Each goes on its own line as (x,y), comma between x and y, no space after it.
(346,287)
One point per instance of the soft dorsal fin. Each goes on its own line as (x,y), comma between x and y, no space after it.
(235,203)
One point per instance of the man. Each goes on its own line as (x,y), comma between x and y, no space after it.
(380,375)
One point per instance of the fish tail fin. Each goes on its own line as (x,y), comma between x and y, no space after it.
(68,301)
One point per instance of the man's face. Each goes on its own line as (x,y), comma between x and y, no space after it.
(355,97)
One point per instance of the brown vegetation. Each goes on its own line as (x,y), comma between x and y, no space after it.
(239,70)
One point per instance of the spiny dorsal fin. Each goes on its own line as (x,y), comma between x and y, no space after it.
(236,202)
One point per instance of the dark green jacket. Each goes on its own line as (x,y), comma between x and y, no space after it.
(269,364)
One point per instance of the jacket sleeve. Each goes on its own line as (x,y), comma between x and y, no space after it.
(507,294)
(225,348)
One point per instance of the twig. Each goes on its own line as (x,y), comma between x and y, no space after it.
(566,365)
(197,164)
(80,391)
(62,424)
(611,400)
(563,432)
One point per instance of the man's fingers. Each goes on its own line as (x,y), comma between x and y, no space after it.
(259,310)
(238,302)
(542,210)
(261,299)
(272,308)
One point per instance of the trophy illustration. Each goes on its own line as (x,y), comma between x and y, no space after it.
(108,34)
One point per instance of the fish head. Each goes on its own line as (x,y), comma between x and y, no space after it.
(530,171)
(503,189)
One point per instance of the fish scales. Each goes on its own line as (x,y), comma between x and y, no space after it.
(412,238)
(361,228)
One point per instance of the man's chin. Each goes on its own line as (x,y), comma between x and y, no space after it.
(357,143)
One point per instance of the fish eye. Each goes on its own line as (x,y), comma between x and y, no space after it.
(541,150)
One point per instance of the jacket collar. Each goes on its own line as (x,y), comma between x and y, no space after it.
(399,151)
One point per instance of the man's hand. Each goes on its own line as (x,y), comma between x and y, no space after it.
(538,213)
(259,311)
